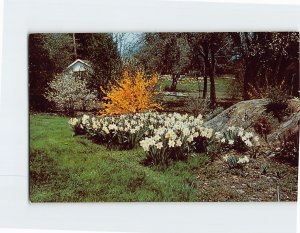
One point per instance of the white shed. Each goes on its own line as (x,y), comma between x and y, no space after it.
(79,67)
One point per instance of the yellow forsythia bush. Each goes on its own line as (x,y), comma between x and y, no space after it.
(133,93)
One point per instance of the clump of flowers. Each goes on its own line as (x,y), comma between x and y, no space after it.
(237,138)
(235,162)
(124,131)
(174,138)
(78,124)
(133,93)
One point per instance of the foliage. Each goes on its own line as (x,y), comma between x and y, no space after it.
(48,54)
(102,52)
(264,89)
(264,168)
(134,93)
(165,53)
(69,93)
(208,49)
(198,106)
(263,126)
(271,56)
(59,47)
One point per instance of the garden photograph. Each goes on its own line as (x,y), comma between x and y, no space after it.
(163,117)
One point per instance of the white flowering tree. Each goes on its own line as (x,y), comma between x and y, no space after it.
(69,93)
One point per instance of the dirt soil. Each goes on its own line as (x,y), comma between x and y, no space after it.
(217,183)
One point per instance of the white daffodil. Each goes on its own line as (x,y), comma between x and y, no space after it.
(171,143)
(190,138)
(178,143)
(159,145)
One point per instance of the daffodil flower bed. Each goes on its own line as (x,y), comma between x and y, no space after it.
(163,136)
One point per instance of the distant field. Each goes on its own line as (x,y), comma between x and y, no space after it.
(192,86)
(190,89)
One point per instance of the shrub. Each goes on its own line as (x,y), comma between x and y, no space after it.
(263,126)
(133,93)
(263,90)
(276,94)
(288,149)
(69,92)
(277,102)
(198,106)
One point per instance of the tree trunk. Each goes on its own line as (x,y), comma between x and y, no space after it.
(250,76)
(212,81)
(247,78)
(175,78)
(206,69)
(205,87)
(75,48)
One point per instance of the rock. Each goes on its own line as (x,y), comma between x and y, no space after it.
(291,124)
(245,113)
(242,114)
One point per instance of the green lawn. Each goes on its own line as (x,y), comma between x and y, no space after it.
(66,168)
(222,86)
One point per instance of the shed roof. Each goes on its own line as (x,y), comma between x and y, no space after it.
(85,62)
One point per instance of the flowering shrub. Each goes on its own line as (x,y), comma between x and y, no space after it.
(69,93)
(134,93)
(236,138)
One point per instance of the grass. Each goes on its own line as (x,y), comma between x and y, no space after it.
(222,85)
(66,168)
